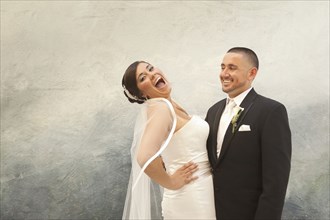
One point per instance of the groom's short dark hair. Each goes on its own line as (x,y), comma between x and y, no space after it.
(252,56)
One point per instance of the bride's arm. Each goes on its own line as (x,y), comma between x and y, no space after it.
(160,123)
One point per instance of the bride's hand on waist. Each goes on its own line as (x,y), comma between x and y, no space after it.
(183,175)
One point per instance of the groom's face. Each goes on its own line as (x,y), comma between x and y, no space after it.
(236,74)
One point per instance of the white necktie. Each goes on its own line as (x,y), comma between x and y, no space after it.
(226,117)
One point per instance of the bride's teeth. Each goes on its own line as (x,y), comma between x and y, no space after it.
(159,82)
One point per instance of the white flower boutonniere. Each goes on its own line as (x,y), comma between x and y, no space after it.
(237,112)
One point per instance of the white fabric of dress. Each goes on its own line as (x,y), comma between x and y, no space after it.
(196,199)
(153,137)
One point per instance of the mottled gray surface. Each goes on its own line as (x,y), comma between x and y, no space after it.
(66,127)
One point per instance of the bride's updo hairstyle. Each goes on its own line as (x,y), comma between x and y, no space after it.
(129,84)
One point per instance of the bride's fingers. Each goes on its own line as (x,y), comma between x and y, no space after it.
(194,170)
(189,166)
(190,179)
(194,178)
(191,170)
(190,173)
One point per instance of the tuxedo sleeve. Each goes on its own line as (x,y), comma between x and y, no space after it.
(276,160)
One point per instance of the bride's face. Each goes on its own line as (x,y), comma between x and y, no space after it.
(152,82)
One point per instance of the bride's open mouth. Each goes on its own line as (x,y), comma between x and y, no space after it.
(160,83)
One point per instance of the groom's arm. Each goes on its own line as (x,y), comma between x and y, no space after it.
(276,159)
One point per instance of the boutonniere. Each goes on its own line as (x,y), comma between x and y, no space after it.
(237,112)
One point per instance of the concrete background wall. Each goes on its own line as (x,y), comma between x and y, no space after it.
(66,127)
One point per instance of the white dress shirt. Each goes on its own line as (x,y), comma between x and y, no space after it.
(227,115)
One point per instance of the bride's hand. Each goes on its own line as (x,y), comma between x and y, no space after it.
(184,175)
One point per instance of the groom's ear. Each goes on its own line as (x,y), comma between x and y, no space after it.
(252,73)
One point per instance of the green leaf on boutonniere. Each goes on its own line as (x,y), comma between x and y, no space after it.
(237,112)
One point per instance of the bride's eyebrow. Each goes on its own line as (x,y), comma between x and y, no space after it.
(147,68)
(140,75)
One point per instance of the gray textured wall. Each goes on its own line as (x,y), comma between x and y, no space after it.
(66,127)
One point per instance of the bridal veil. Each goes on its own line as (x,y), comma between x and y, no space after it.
(153,130)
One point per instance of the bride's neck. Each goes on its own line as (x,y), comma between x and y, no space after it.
(178,108)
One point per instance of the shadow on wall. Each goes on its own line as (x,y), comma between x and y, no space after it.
(87,180)
(308,191)
(91,183)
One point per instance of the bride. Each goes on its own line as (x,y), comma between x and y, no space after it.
(169,156)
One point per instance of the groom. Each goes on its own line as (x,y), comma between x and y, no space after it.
(249,145)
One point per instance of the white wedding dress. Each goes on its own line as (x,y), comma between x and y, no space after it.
(196,199)
(153,137)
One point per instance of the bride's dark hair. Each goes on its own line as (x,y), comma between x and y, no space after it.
(129,84)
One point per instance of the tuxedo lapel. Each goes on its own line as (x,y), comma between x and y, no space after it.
(226,142)
(246,104)
(215,129)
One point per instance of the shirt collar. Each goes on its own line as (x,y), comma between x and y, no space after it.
(239,99)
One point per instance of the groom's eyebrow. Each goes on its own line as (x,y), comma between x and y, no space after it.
(231,66)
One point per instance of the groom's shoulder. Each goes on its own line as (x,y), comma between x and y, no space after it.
(267,100)
(217,104)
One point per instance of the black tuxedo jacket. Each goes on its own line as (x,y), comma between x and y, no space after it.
(252,172)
